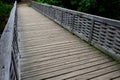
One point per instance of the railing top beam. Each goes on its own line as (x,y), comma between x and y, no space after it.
(109,21)
(6,45)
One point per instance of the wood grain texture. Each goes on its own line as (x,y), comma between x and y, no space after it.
(51,52)
(100,32)
(9,51)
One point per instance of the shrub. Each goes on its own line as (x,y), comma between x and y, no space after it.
(4,14)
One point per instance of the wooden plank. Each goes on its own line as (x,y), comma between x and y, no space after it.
(44,41)
(87,73)
(59,61)
(94,73)
(50,52)
(57,72)
(55,51)
(116,78)
(107,76)
(55,68)
(49,45)
(53,57)
(53,46)
(49,64)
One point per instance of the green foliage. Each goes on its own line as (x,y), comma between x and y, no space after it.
(4,14)
(105,8)
(4,9)
(86,5)
(52,2)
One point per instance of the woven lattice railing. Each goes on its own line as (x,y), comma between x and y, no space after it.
(9,51)
(101,32)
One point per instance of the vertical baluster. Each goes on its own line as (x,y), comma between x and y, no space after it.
(91,31)
(73,20)
(61,17)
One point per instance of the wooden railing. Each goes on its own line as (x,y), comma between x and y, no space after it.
(9,51)
(101,32)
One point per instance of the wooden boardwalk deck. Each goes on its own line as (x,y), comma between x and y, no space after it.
(49,52)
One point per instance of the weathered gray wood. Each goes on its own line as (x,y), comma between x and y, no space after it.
(109,68)
(51,52)
(91,31)
(88,72)
(60,62)
(64,70)
(107,76)
(9,48)
(96,18)
(117,77)
(95,30)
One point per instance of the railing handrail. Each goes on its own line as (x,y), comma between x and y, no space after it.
(103,33)
(89,16)
(7,45)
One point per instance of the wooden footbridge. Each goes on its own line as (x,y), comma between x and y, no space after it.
(45,42)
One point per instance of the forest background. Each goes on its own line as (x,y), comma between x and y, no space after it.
(105,8)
